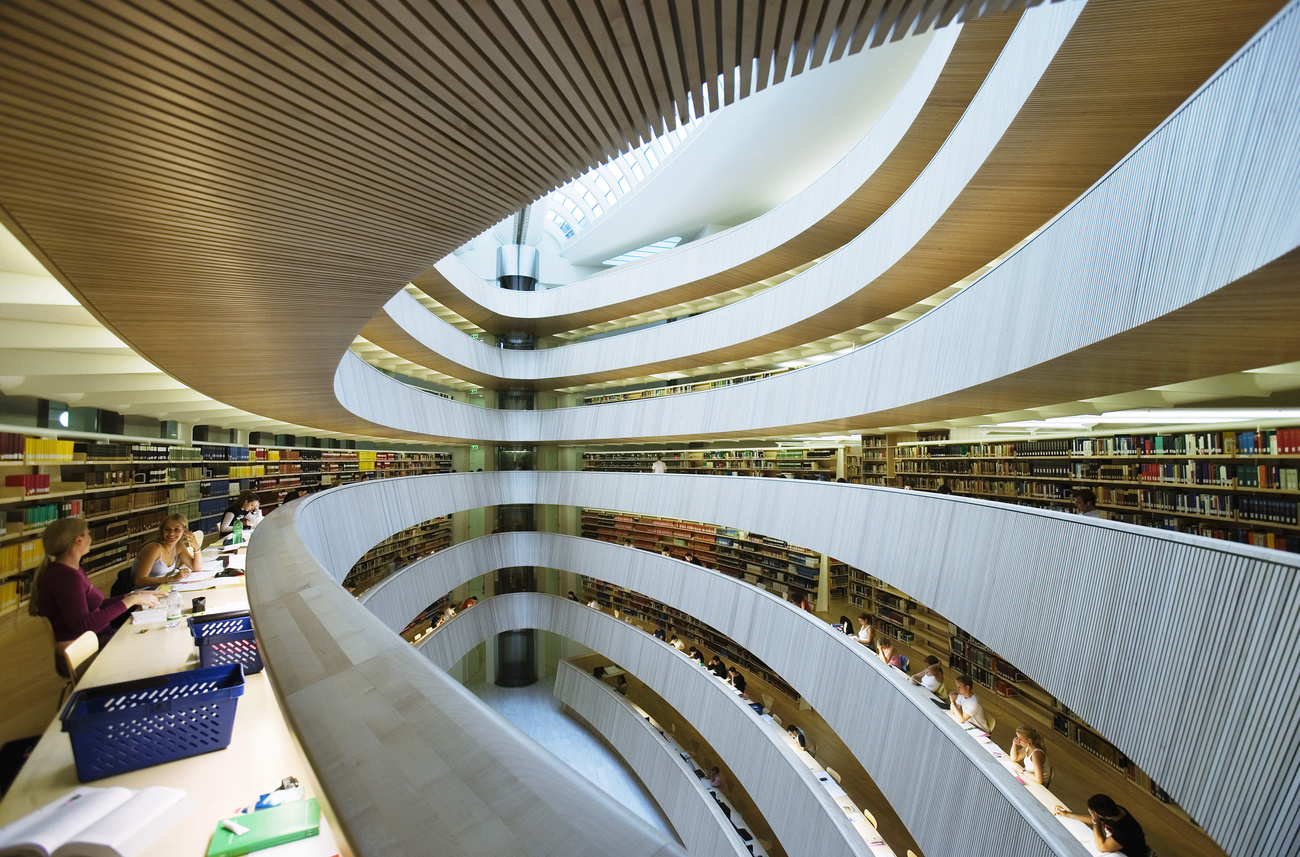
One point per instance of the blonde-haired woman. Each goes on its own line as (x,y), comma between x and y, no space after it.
(165,557)
(1027,751)
(62,593)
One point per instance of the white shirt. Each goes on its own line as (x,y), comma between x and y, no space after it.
(970,706)
(659,467)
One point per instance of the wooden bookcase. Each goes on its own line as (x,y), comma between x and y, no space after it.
(815,463)
(125,489)
(1239,486)
(398,550)
(631,606)
(783,569)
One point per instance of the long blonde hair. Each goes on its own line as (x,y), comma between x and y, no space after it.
(57,538)
(162,525)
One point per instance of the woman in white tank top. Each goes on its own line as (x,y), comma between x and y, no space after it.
(1027,750)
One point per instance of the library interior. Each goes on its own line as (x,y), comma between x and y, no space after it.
(558,428)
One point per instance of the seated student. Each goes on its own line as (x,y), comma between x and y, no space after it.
(697,654)
(797,734)
(1113,829)
(572,597)
(62,593)
(246,507)
(676,643)
(931,678)
(621,685)
(717,667)
(847,624)
(660,633)
(889,653)
(736,680)
(803,602)
(1085,501)
(966,705)
(166,557)
(716,780)
(1027,751)
(469,602)
(866,633)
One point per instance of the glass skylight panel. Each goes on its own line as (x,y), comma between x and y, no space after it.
(642,252)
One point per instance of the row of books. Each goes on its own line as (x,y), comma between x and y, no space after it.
(31,483)
(16,447)
(35,517)
(20,556)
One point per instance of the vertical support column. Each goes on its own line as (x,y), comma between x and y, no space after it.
(518,269)
(824,584)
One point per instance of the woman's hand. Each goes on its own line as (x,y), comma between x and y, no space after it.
(195,542)
(140,599)
(178,575)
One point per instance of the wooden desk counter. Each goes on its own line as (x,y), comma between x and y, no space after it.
(262,750)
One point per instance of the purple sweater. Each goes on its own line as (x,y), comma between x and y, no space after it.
(73,606)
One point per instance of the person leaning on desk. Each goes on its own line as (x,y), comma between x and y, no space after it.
(62,593)
(1113,829)
(170,555)
(246,506)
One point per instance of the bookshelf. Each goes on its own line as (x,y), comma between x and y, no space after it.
(1238,486)
(783,569)
(398,550)
(639,609)
(815,463)
(125,489)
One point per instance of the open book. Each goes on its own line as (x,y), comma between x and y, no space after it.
(91,822)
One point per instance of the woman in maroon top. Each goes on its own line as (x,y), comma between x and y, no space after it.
(62,593)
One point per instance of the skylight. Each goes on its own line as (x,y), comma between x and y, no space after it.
(642,252)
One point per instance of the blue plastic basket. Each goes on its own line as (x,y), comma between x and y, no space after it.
(226,638)
(124,727)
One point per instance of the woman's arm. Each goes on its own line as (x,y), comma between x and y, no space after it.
(253,518)
(1016,753)
(189,552)
(227,523)
(1040,758)
(148,555)
(69,591)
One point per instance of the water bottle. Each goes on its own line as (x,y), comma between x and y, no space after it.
(173,608)
(238,529)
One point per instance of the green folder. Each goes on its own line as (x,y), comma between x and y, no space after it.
(268,827)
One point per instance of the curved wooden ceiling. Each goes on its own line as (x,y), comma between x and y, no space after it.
(235,188)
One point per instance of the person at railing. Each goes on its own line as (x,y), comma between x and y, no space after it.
(803,602)
(966,705)
(797,734)
(676,643)
(170,555)
(889,653)
(661,633)
(1113,829)
(716,780)
(62,593)
(736,680)
(697,654)
(931,677)
(718,668)
(1027,751)
(659,466)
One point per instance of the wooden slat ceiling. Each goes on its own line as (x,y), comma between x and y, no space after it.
(235,188)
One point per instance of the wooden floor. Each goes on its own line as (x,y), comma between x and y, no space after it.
(536,711)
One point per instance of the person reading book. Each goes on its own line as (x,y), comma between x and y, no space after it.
(63,594)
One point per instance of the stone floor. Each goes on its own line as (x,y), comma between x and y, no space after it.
(536,712)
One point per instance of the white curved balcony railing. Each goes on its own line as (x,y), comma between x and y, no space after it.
(409,759)
(840,679)
(801,813)
(1119,589)
(807,305)
(1189,238)
(694,813)
(757,248)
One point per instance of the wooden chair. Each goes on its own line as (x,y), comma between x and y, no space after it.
(871,818)
(73,656)
(767,703)
(835,775)
(776,718)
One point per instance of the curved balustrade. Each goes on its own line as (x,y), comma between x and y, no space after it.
(840,292)
(694,814)
(409,759)
(817,220)
(840,679)
(1163,237)
(802,814)
(1140,596)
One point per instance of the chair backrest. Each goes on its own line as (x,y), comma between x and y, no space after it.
(833,774)
(871,818)
(776,718)
(902,659)
(993,721)
(75,653)
(767,701)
